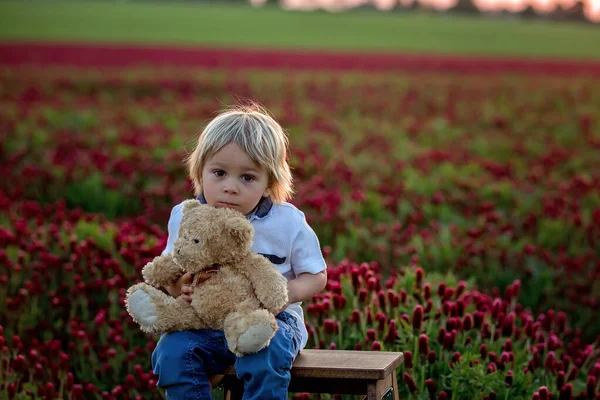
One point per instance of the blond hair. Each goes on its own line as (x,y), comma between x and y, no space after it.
(258,134)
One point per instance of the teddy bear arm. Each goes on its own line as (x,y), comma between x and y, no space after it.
(268,283)
(161,271)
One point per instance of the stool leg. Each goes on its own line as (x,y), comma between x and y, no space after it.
(395,386)
(383,388)
(372,391)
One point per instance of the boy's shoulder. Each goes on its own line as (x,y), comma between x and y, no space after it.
(287,210)
(177,210)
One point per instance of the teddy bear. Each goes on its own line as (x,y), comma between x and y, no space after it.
(238,298)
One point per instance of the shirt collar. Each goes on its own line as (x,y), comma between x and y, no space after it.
(260,211)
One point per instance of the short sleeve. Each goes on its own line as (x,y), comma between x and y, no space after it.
(306,253)
(173,228)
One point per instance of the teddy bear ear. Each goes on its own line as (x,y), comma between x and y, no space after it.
(190,204)
(240,230)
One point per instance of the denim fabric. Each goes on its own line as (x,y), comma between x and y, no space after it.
(185,360)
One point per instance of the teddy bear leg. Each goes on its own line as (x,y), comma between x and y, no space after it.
(250,331)
(156,312)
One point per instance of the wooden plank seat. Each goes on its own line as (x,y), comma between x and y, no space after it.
(369,373)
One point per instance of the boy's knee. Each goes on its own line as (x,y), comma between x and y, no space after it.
(286,339)
(192,347)
(172,349)
(168,359)
(278,356)
(174,342)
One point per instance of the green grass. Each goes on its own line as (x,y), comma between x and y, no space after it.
(242,26)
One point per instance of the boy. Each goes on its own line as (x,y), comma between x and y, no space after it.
(240,162)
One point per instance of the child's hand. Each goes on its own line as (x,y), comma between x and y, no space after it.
(182,287)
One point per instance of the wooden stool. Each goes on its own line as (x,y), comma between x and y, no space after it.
(369,373)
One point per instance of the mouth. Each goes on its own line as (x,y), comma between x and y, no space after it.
(228,205)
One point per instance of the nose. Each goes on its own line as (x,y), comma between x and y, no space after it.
(230,187)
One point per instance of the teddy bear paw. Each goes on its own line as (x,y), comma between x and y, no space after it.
(255,338)
(142,308)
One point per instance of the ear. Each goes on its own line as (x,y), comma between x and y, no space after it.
(267,192)
(190,204)
(239,230)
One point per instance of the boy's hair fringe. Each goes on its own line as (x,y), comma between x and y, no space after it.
(253,128)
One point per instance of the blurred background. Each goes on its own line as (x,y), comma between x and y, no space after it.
(551,28)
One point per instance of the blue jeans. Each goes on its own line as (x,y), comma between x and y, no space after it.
(185,360)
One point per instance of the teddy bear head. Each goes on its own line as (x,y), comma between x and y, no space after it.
(209,237)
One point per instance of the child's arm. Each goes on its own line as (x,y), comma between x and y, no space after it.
(306,285)
(303,288)
(307,263)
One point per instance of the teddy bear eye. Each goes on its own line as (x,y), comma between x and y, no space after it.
(196,241)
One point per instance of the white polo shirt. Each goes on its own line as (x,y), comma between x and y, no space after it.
(281,234)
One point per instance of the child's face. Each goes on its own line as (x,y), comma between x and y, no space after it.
(231,179)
